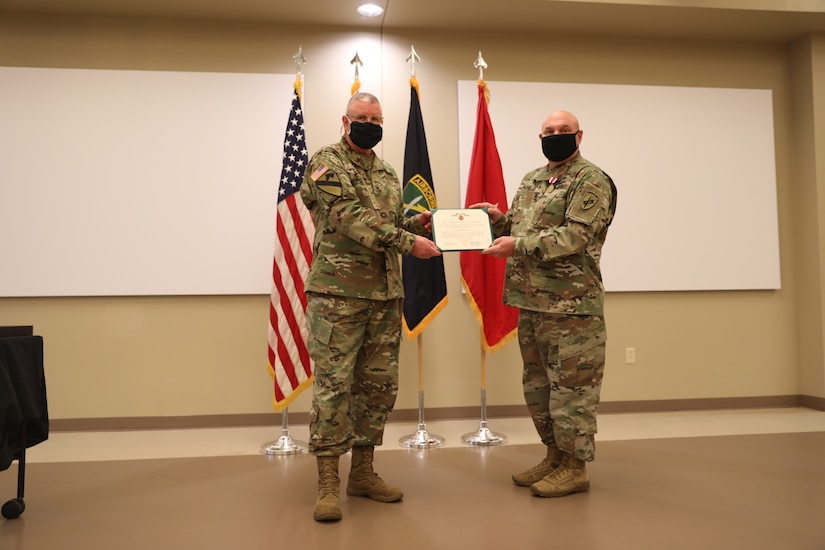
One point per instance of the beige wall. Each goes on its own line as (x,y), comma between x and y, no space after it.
(181,356)
(807,56)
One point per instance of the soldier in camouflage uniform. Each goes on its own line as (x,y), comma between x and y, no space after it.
(552,236)
(354,302)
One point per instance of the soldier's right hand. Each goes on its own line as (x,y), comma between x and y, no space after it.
(424,248)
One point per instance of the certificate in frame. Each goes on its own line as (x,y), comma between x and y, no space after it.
(457,229)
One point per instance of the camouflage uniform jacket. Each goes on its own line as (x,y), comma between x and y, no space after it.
(559,219)
(360,228)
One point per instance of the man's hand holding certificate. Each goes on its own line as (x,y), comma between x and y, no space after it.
(456,229)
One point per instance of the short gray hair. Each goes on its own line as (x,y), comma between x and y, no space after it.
(364,97)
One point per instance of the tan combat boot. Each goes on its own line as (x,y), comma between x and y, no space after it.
(364,482)
(543,468)
(327,506)
(570,477)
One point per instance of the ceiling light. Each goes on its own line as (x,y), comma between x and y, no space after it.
(370,10)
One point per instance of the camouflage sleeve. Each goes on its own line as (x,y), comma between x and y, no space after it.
(503,225)
(411,224)
(371,225)
(308,192)
(585,217)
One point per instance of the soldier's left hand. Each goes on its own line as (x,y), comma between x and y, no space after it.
(424,219)
(424,248)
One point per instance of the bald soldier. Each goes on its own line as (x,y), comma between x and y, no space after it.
(354,302)
(552,237)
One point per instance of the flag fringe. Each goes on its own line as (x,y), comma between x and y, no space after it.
(477,312)
(285,402)
(412,334)
(486,90)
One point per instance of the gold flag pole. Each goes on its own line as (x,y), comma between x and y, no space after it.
(421,439)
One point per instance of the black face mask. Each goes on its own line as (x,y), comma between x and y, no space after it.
(558,146)
(365,135)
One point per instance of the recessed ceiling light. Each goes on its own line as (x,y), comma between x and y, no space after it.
(370,10)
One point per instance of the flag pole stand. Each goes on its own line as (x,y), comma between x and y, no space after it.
(483,436)
(421,439)
(284,445)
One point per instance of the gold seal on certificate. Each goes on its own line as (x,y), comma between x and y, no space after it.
(456,229)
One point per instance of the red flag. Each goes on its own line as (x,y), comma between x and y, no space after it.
(483,276)
(289,363)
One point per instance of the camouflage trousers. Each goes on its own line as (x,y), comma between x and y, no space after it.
(564,358)
(354,344)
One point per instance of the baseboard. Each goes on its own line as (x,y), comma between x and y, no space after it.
(412,415)
(717,403)
(811,402)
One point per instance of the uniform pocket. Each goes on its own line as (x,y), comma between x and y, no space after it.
(320,329)
(582,356)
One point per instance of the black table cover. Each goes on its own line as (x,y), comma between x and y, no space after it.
(23,407)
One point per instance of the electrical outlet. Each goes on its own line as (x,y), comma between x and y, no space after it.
(630,355)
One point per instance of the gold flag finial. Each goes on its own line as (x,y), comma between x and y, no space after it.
(356,85)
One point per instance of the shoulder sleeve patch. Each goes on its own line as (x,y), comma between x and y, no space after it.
(589,200)
(326,180)
(586,205)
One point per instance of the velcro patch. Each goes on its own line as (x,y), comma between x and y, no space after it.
(329,183)
(585,206)
(320,171)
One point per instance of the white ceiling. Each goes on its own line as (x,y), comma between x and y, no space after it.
(760,21)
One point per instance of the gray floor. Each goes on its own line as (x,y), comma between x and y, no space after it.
(725,492)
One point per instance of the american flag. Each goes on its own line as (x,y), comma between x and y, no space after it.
(289,363)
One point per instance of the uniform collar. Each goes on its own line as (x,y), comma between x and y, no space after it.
(367,162)
(546,173)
